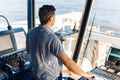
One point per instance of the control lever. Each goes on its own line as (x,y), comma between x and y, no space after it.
(74,29)
(21,62)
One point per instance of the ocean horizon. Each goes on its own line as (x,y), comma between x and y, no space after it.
(107,11)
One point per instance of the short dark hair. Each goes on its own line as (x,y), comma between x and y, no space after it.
(45,12)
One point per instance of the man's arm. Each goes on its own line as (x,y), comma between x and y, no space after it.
(72,66)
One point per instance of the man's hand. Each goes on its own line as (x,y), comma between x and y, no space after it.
(89,75)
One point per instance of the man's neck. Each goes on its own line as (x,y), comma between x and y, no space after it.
(47,25)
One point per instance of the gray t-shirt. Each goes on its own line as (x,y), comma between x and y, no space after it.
(44,46)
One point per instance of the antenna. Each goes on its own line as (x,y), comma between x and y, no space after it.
(9,26)
(88,37)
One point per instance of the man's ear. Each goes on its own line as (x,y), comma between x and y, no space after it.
(50,18)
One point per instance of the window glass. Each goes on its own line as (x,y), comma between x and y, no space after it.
(15,11)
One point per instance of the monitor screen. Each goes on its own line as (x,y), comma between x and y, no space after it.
(20,38)
(6,44)
(114,55)
(113,59)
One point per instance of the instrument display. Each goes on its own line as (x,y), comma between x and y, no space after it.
(6,44)
(113,59)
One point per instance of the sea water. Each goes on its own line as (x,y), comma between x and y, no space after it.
(107,11)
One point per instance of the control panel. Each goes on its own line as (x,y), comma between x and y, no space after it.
(15,62)
(111,69)
(103,73)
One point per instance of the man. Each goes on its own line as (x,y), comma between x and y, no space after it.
(46,48)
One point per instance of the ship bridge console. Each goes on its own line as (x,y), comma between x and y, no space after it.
(15,63)
(111,69)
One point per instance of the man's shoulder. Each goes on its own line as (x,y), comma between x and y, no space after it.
(33,30)
(53,36)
